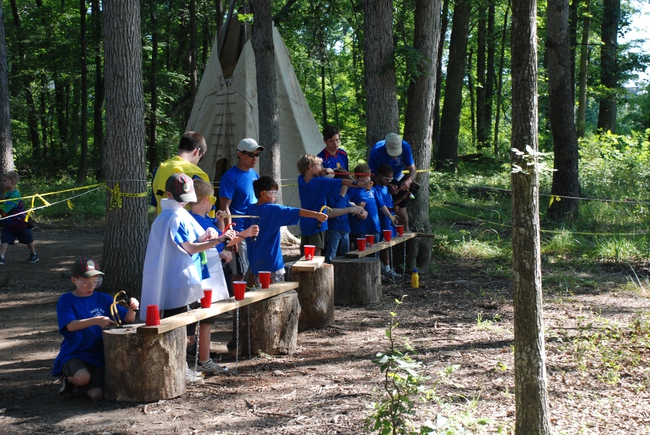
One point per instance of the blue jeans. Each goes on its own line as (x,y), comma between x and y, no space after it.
(337,243)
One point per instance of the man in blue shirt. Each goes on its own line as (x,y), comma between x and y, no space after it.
(396,153)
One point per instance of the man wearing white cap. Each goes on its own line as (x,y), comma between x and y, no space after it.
(396,153)
(236,194)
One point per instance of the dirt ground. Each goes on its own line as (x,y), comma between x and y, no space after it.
(460,321)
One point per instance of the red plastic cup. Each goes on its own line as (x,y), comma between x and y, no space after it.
(153,316)
(400,230)
(265,279)
(309,252)
(206,300)
(361,244)
(240,289)
(370,239)
(387,234)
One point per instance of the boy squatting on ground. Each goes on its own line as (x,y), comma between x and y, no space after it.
(313,189)
(199,210)
(14,225)
(265,253)
(82,315)
(173,270)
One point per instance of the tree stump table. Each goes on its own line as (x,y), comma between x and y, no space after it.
(315,293)
(357,281)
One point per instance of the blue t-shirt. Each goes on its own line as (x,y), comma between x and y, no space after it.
(384,199)
(237,186)
(312,197)
(265,252)
(206,223)
(340,160)
(185,234)
(369,225)
(379,156)
(86,344)
(339,223)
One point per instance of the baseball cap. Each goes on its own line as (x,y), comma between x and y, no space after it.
(85,267)
(249,144)
(181,187)
(393,144)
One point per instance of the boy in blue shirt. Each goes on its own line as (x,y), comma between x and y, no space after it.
(387,221)
(82,315)
(313,189)
(370,225)
(265,253)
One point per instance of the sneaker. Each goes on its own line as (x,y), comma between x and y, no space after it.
(66,389)
(33,258)
(391,274)
(210,367)
(192,377)
(2,260)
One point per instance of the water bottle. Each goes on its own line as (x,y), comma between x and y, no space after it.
(415,279)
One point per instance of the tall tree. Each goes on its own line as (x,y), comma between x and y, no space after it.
(382,113)
(482,108)
(444,20)
(6,145)
(418,127)
(499,98)
(267,91)
(82,169)
(608,65)
(447,157)
(561,105)
(98,100)
(532,415)
(582,75)
(125,240)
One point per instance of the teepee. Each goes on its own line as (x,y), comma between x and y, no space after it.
(225,108)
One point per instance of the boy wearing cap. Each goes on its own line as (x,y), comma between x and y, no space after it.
(236,194)
(397,153)
(82,315)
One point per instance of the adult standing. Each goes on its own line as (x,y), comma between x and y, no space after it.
(396,153)
(191,150)
(333,156)
(236,194)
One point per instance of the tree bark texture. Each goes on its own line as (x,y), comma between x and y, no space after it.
(608,65)
(418,127)
(127,226)
(482,128)
(447,157)
(582,75)
(82,170)
(532,415)
(565,141)
(273,326)
(6,144)
(316,297)
(382,113)
(144,368)
(267,91)
(444,21)
(99,160)
(357,281)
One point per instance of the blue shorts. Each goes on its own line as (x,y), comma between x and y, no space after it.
(24,236)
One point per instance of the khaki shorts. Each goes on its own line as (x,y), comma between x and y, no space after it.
(318,240)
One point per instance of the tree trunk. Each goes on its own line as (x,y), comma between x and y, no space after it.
(418,127)
(491,69)
(382,113)
(6,145)
(482,128)
(267,90)
(153,83)
(357,281)
(565,141)
(502,56)
(82,169)
(127,225)
(316,297)
(98,101)
(447,157)
(582,75)
(444,20)
(608,65)
(532,414)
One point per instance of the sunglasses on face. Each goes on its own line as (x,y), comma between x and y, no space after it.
(251,155)
(212,199)
(271,193)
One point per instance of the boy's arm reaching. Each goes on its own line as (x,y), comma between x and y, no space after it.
(322,217)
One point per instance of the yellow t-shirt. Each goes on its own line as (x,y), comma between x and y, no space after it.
(167,168)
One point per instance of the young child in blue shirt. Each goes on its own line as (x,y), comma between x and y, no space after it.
(387,220)
(265,253)
(313,189)
(370,225)
(14,225)
(82,315)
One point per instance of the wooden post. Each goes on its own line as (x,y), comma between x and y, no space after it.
(357,281)
(273,326)
(142,367)
(316,296)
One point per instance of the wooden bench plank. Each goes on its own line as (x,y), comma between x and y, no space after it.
(303,265)
(219,307)
(376,247)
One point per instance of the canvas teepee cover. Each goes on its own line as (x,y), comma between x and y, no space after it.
(225,110)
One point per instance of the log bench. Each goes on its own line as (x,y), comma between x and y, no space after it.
(147,363)
(357,276)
